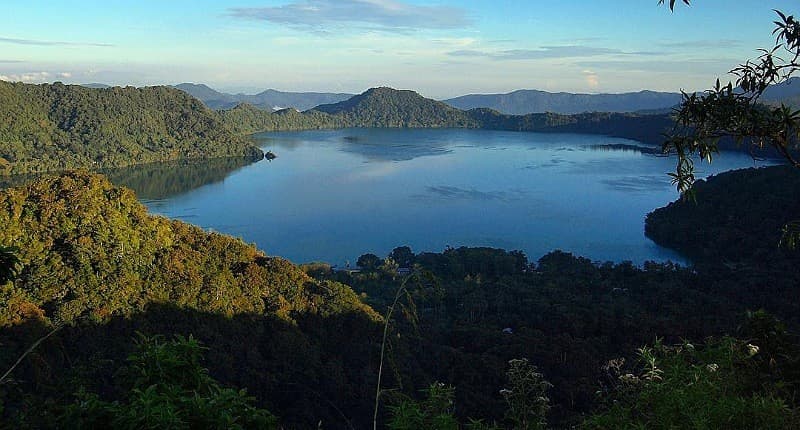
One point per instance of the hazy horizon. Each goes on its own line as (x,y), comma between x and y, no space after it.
(441,49)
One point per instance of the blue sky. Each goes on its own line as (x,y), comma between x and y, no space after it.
(440,48)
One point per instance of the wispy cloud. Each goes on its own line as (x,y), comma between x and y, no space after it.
(34,42)
(705,65)
(320,16)
(35,77)
(705,43)
(546,52)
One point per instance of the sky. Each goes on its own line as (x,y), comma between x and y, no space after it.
(440,48)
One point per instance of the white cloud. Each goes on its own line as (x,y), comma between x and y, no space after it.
(321,16)
(591,78)
(28,77)
(35,42)
(547,52)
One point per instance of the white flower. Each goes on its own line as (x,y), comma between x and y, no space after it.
(752,349)
(713,367)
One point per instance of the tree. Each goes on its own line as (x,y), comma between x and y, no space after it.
(403,255)
(735,112)
(368,261)
(9,263)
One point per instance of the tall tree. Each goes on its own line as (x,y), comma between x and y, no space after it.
(735,111)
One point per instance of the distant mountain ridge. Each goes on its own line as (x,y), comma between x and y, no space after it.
(518,102)
(522,102)
(269,99)
(390,108)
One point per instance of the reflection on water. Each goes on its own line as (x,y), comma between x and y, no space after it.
(158,181)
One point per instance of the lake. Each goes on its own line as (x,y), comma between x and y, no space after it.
(334,195)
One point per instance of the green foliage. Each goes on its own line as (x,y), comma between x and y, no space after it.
(736,220)
(89,248)
(368,261)
(9,263)
(169,389)
(695,387)
(57,127)
(247,119)
(386,107)
(434,412)
(735,112)
(95,259)
(526,396)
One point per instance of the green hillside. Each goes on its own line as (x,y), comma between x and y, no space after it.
(387,107)
(57,127)
(307,349)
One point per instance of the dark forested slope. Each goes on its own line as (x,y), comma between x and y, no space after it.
(735,217)
(94,258)
(56,127)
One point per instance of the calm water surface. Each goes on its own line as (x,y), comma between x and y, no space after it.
(334,195)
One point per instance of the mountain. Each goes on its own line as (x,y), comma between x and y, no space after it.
(268,99)
(56,127)
(387,107)
(95,85)
(532,101)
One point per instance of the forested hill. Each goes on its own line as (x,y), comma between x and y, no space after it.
(736,219)
(246,119)
(92,257)
(387,107)
(55,127)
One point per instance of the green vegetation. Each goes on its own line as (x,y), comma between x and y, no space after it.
(247,119)
(387,107)
(58,127)
(736,218)
(168,389)
(722,383)
(308,349)
(565,314)
(90,249)
(737,112)
(93,259)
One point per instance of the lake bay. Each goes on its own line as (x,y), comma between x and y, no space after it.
(336,194)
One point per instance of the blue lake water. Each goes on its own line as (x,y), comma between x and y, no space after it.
(334,195)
